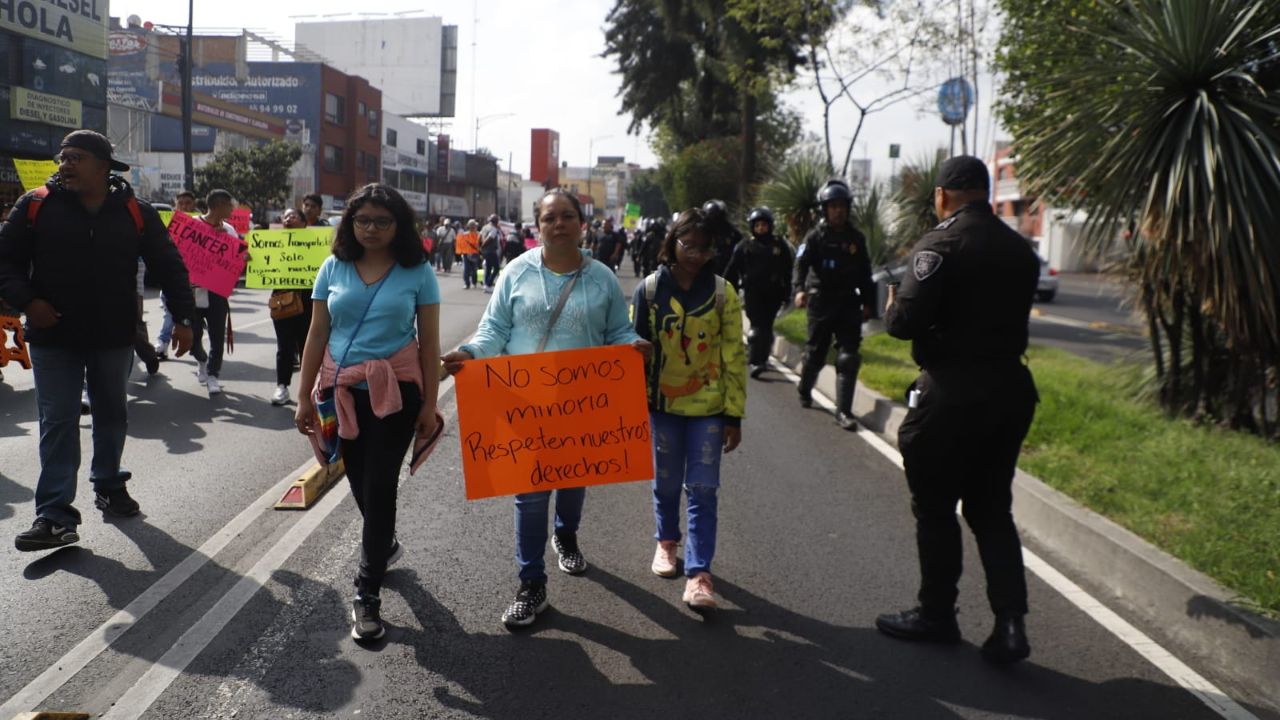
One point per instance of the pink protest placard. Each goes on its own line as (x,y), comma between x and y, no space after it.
(214,260)
(242,220)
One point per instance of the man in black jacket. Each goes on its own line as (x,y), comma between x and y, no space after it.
(68,260)
(964,306)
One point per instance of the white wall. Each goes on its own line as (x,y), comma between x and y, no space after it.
(401,56)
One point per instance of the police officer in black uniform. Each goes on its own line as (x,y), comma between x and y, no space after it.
(724,235)
(760,267)
(654,232)
(964,304)
(833,278)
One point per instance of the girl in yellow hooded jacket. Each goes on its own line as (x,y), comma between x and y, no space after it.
(697,395)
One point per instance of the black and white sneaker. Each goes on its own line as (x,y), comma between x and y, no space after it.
(45,535)
(571,560)
(530,600)
(366,618)
(116,502)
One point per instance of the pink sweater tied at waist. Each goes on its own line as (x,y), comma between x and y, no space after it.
(383,376)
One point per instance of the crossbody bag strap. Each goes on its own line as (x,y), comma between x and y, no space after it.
(342,363)
(555,314)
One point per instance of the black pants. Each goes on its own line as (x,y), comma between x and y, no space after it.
(215,316)
(829,321)
(761,314)
(961,444)
(291,335)
(373,463)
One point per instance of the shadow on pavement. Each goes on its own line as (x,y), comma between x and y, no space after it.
(753,660)
(11,496)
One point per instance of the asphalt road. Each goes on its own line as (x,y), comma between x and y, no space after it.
(1091,316)
(213,605)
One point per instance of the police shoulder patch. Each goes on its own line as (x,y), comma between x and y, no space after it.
(925,264)
(946,223)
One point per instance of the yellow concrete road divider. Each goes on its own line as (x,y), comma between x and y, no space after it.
(51,715)
(309,488)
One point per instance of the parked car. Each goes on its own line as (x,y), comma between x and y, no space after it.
(1047,287)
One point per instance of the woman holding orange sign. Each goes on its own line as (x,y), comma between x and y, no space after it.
(557,298)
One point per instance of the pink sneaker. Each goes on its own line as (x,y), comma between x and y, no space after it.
(664,559)
(697,592)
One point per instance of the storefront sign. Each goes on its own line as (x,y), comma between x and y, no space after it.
(38,107)
(79,25)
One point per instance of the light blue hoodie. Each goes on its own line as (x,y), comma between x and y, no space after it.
(595,314)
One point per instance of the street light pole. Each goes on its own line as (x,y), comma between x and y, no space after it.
(188,169)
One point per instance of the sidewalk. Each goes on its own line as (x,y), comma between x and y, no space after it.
(1186,611)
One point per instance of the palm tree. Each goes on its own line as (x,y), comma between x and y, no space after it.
(1173,135)
(913,202)
(792,191)
(868,213)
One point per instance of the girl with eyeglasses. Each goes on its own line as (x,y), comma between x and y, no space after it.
(374,340)
(697,395)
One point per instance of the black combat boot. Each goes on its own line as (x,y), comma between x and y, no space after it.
(1008,641)
(844,402)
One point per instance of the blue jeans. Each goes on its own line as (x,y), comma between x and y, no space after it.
(686,453)
(59,375)
(166,327)
(470,270)
(491,263)
(531,526)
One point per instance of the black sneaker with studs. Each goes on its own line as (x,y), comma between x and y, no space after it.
(530,600)
(45,535)
(116,502)
(366,618)
(571,559)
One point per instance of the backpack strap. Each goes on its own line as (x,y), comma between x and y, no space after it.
(33,205)
(136,213)
(39,194)
(721,293)
(650,287)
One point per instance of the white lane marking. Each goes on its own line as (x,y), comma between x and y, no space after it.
(108,632)
(163,672)
(1162,659)
(139,698)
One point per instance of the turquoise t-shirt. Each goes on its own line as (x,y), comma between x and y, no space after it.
(392,319)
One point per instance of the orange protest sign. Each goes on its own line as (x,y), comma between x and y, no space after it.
(554,420)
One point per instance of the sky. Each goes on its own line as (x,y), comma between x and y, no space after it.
(541,62)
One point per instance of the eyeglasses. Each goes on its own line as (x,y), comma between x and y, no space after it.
(695,249)
(364,222)
(69,158)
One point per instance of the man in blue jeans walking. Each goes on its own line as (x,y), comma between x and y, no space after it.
(68,259)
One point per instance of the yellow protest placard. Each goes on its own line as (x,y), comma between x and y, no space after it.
(286,259)
(550,420)
(33,173)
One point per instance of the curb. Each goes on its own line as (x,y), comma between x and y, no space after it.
(1183,609)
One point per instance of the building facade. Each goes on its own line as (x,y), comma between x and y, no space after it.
(53,79)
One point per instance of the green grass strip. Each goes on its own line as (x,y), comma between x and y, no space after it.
(1208,496)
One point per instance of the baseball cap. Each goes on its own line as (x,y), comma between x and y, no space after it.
(95,143)
(963,172)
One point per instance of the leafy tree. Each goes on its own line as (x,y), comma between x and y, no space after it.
(869,213)
(645,192)
(709,169)
(258,176)
(1169,130)
(704,69)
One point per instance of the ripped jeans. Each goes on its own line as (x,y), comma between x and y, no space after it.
(686,454)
